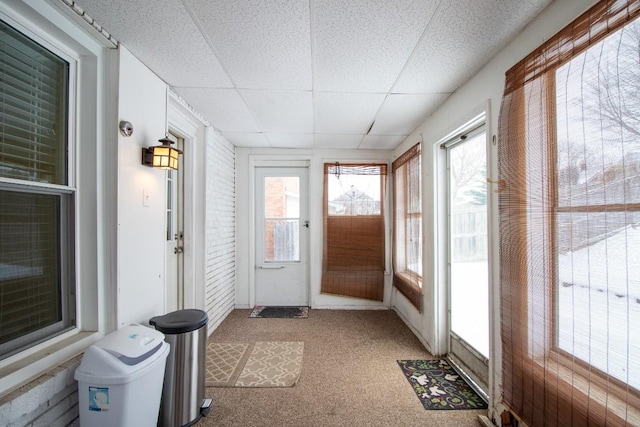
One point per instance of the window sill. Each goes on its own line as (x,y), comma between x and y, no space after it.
(19,370)
(624,407)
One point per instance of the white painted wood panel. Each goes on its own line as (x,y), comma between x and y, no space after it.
(220,245)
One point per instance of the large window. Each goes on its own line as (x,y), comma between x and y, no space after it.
(354,245)
(407,235)
(36,195)
(569,155)
(597,209)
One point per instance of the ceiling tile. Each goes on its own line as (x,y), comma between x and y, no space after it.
(346,142)
(346,113)
(410,52)
(164,37)
(223,108)
(380,142)
(362,45)
(247,139)
(462,37)
(401,113)
(290,140)
(280,111)
(262,44)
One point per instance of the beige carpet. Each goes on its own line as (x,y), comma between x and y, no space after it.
(262,364)
(350,376)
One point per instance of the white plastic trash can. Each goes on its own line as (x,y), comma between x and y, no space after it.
(120,378)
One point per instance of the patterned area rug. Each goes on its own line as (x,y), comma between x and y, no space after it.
(439,386)
(263,364)
(224,363)
(280,312)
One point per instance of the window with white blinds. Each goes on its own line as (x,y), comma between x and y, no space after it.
(36,201)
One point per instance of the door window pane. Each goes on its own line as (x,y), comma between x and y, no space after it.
(469,279)
(282,219)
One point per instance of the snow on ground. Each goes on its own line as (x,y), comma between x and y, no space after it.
(599,305)
(470,303)
(602,265)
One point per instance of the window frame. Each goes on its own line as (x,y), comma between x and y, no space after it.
(412,216)
(564,358)
(66,195)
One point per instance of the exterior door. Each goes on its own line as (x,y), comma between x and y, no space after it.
(174,288)
(468,261)
(281,275)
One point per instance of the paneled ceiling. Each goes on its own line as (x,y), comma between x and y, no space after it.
(314,73)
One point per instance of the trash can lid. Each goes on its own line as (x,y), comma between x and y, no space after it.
(132,344)
(180,321)
(123,356)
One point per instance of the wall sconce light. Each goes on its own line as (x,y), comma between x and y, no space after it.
(161,156)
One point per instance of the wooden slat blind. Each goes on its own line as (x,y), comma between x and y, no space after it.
(569,276)
(407,231)
(354,243)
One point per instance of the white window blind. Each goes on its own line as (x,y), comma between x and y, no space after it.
(36,221)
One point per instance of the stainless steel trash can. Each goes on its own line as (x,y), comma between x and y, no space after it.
(183,402)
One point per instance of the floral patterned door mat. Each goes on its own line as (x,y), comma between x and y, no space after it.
(439,386)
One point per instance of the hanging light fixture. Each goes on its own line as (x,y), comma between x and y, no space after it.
(161,156)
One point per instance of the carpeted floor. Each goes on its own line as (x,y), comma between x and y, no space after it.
(350,374)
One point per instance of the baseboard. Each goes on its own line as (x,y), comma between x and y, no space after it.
(412,329)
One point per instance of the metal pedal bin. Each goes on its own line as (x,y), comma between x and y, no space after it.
(183,402)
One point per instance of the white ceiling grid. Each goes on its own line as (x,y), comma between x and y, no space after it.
(314,73)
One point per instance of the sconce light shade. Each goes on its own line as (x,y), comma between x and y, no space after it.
(161,156)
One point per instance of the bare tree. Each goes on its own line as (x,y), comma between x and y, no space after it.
(468,169)
(617,85)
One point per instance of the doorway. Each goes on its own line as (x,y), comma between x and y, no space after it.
(281,244)
(175,232)
(467,254)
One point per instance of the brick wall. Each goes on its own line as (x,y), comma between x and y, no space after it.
(50,400)
(275,200)
(221,244)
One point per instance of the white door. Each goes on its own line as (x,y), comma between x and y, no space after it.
(174,285)
(468,264)
(281,277)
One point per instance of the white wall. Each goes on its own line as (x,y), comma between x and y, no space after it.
(484,89)
(221,228)
(142,285)
(141,226)
(245,159)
